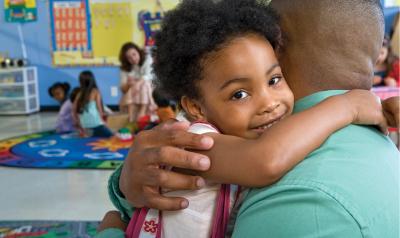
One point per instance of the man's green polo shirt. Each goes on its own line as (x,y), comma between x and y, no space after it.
(347,188)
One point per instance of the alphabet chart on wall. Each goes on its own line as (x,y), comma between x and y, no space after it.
(70,28)
(91,32)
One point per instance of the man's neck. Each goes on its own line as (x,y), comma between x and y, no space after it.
(303,87)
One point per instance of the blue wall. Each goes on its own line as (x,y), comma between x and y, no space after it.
(37,41)
(390,14)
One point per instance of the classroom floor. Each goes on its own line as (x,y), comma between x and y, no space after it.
(46,194)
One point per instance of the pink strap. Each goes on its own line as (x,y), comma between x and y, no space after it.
(159,225)
(132,222)
(138,223)
(222,211)
(141,217)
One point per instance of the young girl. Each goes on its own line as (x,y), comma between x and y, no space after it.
(387,68)
(228,80)
(65,120)
(59,91)
(88,107)
(135,83)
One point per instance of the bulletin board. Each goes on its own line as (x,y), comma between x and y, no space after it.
(91,32)
(70,32)
(20,10)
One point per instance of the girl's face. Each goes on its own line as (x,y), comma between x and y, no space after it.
(133,56)
(58,94)
(243,90)
(382,55)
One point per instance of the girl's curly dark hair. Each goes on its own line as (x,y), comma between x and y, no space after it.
(196,28)
(64,86)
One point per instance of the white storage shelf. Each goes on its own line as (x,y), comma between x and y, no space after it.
(19,91)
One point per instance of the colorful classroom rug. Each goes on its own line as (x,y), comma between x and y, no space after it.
(65,151)
(48,229)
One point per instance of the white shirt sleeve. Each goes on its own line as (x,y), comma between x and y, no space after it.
(196,220)
(202,127)
(146,70)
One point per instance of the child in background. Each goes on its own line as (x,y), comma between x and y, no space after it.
(387,68)
(65,120)
(88,107)
(164,110)
(230,82)
(59,91)
(135,81)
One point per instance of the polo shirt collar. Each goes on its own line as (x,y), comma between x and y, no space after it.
(314,99)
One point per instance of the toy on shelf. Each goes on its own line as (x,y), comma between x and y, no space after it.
(6,62)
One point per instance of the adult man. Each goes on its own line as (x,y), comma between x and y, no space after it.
(330,45)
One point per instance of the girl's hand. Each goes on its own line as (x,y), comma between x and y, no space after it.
(81,131)
(391,110)
(390,82)
(131,81)
(366,109)
(138,84)
(135,83)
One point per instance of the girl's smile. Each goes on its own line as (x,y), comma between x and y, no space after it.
(242,89)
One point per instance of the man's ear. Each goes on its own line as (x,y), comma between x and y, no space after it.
(192,108)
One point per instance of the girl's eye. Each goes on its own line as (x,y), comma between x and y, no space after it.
(274,80)
(239,95)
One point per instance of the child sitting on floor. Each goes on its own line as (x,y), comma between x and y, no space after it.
(230,82)
(164,109)
(88,108)
(65,120)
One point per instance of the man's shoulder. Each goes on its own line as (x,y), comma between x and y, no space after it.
(294,209)
(352,178)
(309,207)
(355,174)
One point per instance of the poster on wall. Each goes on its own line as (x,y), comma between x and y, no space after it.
(148,15)
(71,37)
(20,10)
(91,32)
(112,26)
